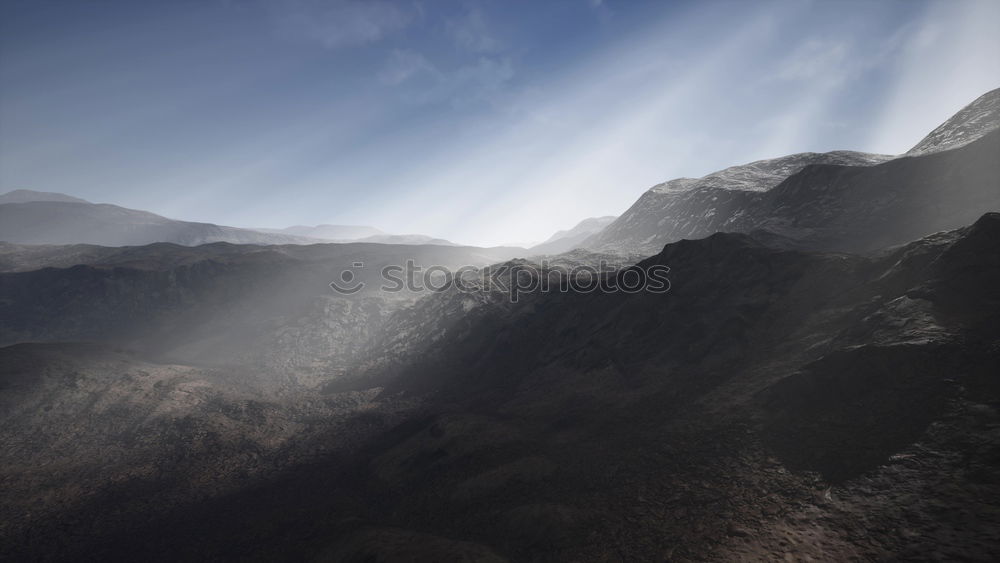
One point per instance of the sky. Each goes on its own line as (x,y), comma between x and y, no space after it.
(482,122)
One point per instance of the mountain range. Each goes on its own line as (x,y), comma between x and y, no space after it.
(819,382)
(29,217)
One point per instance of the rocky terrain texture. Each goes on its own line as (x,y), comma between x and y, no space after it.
(774,404)
(974,121)
(765,194)
(266,307)
(95,438)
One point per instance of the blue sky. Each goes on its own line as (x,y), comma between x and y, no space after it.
(477,121)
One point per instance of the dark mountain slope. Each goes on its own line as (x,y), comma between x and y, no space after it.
(774,404)
(837,207)
(696,208)
(862,209)
(656,414)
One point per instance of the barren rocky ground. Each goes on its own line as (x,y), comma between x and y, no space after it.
(839,407)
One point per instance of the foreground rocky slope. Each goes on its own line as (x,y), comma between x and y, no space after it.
(97,439)
(774,404)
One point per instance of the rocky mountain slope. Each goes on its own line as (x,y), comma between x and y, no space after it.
(270,307)
(689,208)
(975,120)
(86,427)
(773,404)
(756,411)
(731,200)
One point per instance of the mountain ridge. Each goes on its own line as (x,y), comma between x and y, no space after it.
(693,208)
(566,240)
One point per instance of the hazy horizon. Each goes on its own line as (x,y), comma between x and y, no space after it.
(478,122)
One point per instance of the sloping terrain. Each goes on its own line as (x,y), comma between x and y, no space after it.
(96,439)
(827,206)
(974,121)
(773,404)
(863,209)
(269,307)
(695,208)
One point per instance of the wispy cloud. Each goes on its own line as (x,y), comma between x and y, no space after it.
(403,65)
(423,82)
(470,32)
(815,59)
(341,23)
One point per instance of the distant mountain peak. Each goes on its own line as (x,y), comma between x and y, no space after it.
(563,241)
(26,196)
(970,123)
(588,225)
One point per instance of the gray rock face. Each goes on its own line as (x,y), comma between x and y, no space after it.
(695,208)
(861,209)
(974,121)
